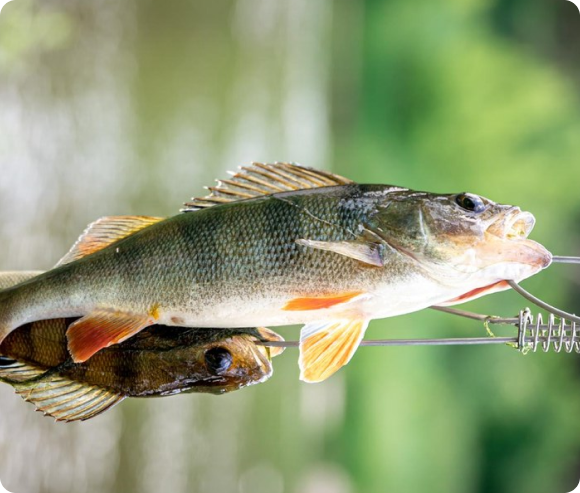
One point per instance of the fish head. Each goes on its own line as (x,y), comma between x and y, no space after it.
(238,360)
(461,239)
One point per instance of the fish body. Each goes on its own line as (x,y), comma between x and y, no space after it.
(332,257)
(159,361)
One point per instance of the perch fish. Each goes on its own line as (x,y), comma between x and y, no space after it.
(281,244)
(159,361)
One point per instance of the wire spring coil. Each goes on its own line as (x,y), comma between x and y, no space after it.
(558,334)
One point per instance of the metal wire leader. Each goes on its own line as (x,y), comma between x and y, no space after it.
(557,335)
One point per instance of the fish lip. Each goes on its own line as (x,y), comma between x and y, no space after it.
(515,224)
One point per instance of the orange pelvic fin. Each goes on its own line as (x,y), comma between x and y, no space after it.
(103,328)
(105,231)
(317,303)
(326,347)
(477,293)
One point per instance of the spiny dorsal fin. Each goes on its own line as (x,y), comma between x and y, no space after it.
(104,232)
(264,179)
(12,278)
(67,400)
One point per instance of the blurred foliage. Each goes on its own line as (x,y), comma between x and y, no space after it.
(28,31)
(446,104)
(132,108)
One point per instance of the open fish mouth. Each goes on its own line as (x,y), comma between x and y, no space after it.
(513,228)
(514,225)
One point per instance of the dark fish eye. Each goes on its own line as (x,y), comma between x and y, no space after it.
(470,202)
(218,360)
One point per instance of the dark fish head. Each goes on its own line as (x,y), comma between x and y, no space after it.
(461,238)
(237,361)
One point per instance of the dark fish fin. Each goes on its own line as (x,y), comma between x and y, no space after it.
(327,346)
(366,252)
(12,278)
(67,400)
(260,179)
(320,302)
(13,371)
(103,328)
(104,232)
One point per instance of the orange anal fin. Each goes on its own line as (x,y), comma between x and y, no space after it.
(102,328)
(317,303)
(326,347)
(477,293)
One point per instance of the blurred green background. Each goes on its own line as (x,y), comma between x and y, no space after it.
(131,107)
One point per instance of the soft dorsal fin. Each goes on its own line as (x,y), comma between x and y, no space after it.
(264,179)
(105,231)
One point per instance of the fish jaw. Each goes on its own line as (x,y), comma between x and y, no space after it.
(478,260)
(506,253)
(506,242)
(501,260)
(514,259)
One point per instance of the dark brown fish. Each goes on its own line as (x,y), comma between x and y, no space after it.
(159,361)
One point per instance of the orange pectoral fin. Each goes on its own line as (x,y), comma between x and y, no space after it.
(317,303)
(326,347)
(102,328)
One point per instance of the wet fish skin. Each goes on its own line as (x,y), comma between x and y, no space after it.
(332,258)
(192,268)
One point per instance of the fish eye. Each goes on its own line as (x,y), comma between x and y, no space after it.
(218,360)
(470,202)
